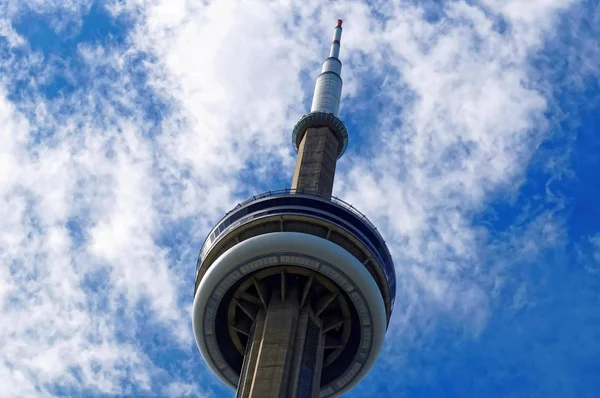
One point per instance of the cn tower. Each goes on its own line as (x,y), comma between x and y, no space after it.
(295,288)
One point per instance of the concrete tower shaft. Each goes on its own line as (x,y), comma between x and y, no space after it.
(295,288)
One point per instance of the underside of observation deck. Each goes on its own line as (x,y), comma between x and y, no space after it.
(291,325)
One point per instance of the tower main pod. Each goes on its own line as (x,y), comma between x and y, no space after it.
(295,288)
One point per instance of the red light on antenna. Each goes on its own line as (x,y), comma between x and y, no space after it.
(339,22)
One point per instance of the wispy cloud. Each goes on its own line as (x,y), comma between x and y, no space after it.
(118,156)
(465,133)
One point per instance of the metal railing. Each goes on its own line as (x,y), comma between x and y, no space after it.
(329,198)
(240,215)
(210,239)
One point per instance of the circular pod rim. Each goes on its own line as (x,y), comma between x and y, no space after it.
(302,250)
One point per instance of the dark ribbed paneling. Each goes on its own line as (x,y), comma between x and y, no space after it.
(309,360)
(245,364)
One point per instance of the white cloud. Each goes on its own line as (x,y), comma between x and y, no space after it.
(595,240)
(49,325)
(89,175)
(105,199)
(181,389)
(472,124)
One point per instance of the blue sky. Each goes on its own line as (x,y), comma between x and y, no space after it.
(129,127)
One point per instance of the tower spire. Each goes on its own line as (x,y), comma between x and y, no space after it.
(335,43)
(320,137)
(328,89)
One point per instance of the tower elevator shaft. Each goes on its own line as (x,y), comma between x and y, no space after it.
(285,351)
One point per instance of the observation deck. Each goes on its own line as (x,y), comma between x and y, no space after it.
(308,212)
(318,249)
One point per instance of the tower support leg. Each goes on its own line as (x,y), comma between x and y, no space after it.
(285,352)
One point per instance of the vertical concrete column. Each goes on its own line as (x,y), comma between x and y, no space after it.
(268,372)
(250,359)
(315,165)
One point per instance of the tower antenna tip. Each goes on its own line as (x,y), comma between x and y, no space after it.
(339,22)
